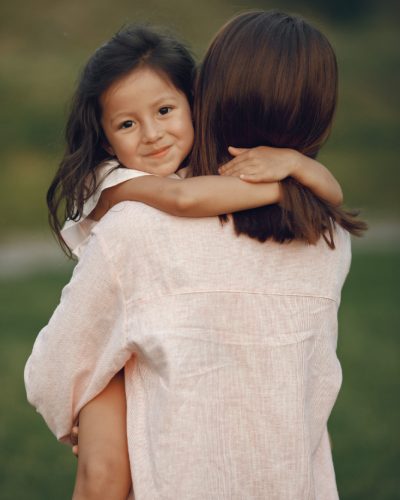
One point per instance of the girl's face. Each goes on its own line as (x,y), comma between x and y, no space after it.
(147,122)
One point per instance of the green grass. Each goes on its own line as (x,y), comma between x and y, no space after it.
(364,424)
(32,463)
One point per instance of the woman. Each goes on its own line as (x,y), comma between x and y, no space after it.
(229,348)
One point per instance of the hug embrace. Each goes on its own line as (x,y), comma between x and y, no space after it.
(195,345)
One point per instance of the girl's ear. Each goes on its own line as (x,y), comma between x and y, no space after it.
(109,149)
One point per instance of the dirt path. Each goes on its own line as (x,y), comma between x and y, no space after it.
(34,253)
(25,255)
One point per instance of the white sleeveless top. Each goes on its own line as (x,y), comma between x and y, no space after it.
(76,233)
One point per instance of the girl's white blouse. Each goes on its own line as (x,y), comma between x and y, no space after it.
(76,233)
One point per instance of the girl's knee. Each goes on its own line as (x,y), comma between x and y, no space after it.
(97,479)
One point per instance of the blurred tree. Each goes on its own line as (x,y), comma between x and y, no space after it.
(341,10)
(338,11)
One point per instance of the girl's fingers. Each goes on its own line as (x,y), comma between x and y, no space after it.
(261,161)
(237,151)
(254,179)
(75,450)
(239,170)
(255,168)
(74,435)
(241,154)
(241,161)
(229,165)
(244,167)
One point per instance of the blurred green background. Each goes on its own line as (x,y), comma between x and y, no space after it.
(43,46)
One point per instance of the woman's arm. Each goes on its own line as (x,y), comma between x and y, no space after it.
(79,351)
(214,195)
(103,462)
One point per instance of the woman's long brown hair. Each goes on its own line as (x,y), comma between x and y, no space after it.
(270,79)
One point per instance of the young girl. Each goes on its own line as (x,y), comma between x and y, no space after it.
(129,131)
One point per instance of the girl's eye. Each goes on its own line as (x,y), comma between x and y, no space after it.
(127,124)
(165,110)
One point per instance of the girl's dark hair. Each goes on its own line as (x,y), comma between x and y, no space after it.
(129,49)
(270,79)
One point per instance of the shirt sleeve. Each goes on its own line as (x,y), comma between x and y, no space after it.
(76,233)
(84,344)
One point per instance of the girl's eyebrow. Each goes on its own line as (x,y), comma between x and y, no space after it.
(165,97)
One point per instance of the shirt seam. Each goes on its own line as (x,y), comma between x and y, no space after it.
(247,292)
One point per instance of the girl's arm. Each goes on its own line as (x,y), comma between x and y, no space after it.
(266,164)
(214,195)
(202,196)
(103,463)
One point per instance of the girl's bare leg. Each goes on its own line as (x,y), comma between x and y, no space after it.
(103,463)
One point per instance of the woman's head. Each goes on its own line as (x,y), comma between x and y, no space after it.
(268,78)
(133,54)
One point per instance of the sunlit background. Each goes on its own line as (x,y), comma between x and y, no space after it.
(43,46)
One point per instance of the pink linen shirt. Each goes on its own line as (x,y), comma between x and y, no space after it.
(229,349)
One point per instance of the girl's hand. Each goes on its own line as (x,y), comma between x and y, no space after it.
(261,164)
(74,440)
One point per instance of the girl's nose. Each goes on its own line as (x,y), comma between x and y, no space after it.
(152,131)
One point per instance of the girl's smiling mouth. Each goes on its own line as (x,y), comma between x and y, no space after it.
(158,153)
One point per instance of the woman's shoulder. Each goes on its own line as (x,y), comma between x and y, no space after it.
(333,263)
(129,219)
(342,240)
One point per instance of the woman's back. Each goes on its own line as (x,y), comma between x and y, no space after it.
(236,371)
(229,348)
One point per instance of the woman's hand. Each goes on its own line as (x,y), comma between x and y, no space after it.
(74,439)
(261,164)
